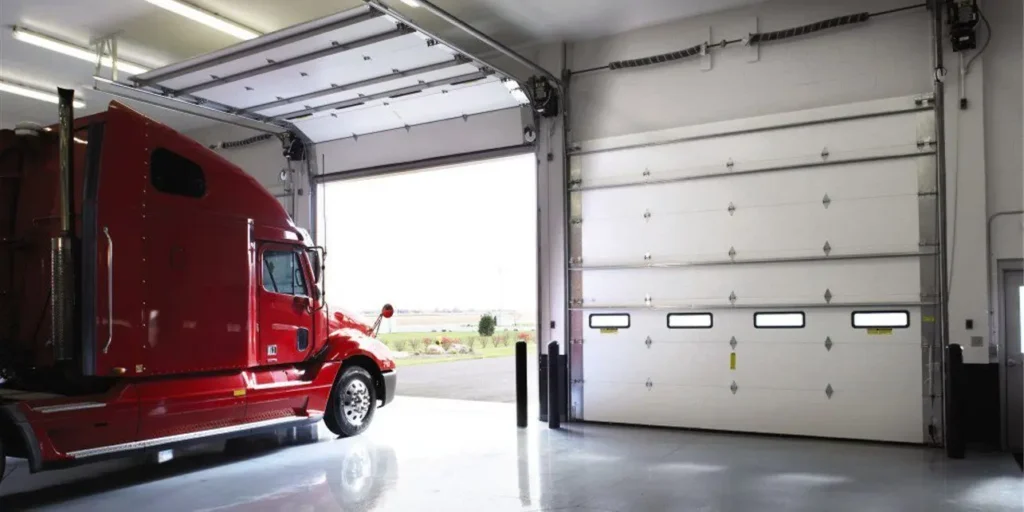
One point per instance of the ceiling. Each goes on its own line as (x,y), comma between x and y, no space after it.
(152,37)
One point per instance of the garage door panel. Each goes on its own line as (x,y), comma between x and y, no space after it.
(895,279)
(853,181)
(848,414)
(875,225)
(818,221)
(397,83)
(729,322)
(852,139)
(295,49)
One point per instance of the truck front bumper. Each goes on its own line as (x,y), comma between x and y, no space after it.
(390,381)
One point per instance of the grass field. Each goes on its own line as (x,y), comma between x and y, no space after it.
(412,341)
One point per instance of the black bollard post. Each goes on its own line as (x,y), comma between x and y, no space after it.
(956,397)
(554,374)
(521,383)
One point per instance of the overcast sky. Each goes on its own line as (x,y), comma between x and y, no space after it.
(461,236)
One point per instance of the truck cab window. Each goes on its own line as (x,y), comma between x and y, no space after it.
(282,273)
(174,174)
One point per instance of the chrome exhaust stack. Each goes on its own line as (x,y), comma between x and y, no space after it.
(62,268)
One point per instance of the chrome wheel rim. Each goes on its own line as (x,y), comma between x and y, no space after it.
(355,402)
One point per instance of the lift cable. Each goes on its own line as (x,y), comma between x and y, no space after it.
(752,39)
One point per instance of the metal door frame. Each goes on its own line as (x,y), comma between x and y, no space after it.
(1003,267)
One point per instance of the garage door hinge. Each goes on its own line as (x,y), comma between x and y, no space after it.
(576,302)
(828,391)
(647,300)
(576,342)
(732,297)
(828,296)
(648,342)
(578,260)
(827,248)
(826,201)
(649,384)
(577,381)
(733,343)
(828,343)
(575,184)
(731,208)
(576,221)
(732,253)
(925,142)
(734,387)
(647,173)
(824,153)
(647,215)
(730,164)
(927,99)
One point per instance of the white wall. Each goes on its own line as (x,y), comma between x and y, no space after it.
(885,57)
(263,160)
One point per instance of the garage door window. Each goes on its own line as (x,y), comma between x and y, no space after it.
(786,320)
(609,321)
(880,319)
(690,320)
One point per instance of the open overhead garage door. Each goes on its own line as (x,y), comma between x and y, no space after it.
(773,274)
(357,72)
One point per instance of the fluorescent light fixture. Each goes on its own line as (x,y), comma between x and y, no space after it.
(206,18)
(35,94)
(412,3)
(56,45)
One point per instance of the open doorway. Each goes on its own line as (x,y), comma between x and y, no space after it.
(454,249)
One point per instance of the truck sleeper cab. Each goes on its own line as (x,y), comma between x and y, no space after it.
(193,311)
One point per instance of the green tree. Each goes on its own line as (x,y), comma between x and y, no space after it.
(486,325)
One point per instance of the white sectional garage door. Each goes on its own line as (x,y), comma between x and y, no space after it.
(773,274)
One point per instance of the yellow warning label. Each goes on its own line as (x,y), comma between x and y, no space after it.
(928,319)
(608,330)
(239,392)
(732,361)
(878,332)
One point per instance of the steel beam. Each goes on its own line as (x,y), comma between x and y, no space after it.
(385,9)
(484,38)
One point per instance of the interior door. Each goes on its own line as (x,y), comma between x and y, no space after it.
(285,312)
(1013,287)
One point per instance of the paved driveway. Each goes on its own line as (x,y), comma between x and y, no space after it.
(485,380)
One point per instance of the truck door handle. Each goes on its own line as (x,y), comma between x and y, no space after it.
(110,289)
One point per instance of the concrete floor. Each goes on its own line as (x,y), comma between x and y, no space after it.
(487,380)
(446,455)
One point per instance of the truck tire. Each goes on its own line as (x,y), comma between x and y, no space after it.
(352,403)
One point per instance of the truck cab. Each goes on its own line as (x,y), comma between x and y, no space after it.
(154,294)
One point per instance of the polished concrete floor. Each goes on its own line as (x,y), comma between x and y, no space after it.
(446,455)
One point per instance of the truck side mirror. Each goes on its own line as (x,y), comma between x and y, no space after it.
(386,312)
(317,255)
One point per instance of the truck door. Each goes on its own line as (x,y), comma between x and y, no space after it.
(285,312)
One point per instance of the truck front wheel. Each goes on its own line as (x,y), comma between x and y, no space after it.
(352,403)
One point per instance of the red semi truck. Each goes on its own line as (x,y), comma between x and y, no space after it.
(153,294)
